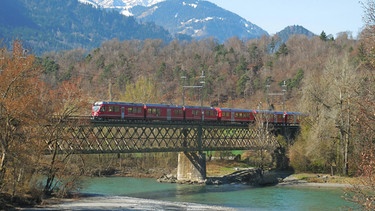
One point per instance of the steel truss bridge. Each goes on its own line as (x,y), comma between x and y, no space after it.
(86,137)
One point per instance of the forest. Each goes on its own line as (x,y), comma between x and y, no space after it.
(331,80)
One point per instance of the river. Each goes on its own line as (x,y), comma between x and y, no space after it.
(239,197)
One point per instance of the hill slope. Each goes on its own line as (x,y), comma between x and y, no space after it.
(53,25)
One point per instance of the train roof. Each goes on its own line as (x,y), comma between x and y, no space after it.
(280,112)
(199,107)
(236,110)
(115,103)
(162,105)
(296,113)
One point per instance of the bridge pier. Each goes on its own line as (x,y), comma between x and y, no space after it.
(191,167)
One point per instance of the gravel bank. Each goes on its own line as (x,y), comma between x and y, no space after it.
(124,203)
(293,181)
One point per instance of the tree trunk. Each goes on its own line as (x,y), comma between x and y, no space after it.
(2,168)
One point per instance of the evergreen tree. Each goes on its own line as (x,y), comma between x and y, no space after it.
(323,36)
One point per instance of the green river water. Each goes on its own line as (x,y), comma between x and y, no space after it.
(240,197)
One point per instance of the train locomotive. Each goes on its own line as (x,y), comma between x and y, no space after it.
(162,112)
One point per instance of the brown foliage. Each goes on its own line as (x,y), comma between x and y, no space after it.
(27,105)
(19,108)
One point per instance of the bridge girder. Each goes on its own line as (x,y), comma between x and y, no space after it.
(140,137)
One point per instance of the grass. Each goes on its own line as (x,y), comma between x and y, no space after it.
(217,168)
(326,178)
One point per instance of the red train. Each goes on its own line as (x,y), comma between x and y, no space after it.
(136,111)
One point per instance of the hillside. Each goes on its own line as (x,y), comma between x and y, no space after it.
(52,25)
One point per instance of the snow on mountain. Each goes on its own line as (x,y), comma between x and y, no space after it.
(123,5)
(195,18)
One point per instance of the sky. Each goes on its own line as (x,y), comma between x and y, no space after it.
(330,16)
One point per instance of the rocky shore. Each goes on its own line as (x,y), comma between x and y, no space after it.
(247,176)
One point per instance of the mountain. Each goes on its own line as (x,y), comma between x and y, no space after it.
(196,18)
(54,25)
(289,31)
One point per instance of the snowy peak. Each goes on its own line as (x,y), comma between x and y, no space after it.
(199,19)
(121,4)
(124,6)
(195,18)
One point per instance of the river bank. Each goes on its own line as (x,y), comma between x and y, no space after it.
(293,180)
(270,178)
(102,202)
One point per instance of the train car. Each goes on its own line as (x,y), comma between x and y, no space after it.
(294,118)
(267,116)
(235,115)
(164,112)
(194,113)
(279,117)
(117,110)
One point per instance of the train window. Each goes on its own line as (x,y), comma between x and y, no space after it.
(177,112)
(130,110)
(110,108)
(102,108)
(116,109)
(153,111)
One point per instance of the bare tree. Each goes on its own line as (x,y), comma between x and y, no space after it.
(268,144)
(363,193)
(328,98)
(65,102)
(143,90)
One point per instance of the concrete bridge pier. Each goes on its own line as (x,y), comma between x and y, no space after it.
(191,167)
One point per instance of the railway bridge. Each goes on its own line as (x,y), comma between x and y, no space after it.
(190,139)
